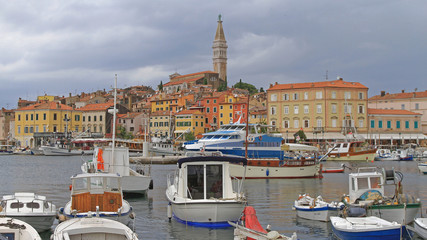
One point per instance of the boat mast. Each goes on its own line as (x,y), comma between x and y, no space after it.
(114,118)
(247,128)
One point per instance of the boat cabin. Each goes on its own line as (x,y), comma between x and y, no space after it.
(349,147)
(26,203)
(100,189)
(208,177)
(366,184)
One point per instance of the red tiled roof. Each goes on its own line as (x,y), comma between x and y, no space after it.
(192,74)
(400,95)
(96,107)
(391,112)
(182,81)
(47,105)
(336,83)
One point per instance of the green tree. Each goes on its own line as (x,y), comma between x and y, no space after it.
(261,89)
(251,88)
(122,133)
(160,86)
(301,135)
(189,136)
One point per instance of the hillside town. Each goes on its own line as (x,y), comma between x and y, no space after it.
(188,105)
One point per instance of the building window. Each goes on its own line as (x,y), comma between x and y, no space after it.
(44,116)
(305,95)
(296,109)
(26,117)
(403,106)
(397,124)
(380,124)
(334,108)
(273,122)
(334,95)
(334,122)
(230,115)
(319,108)
(207,101)
(19,117)
(388,124)
(319,122)
(273,110)
(305,109)
(407,124)
(19,129)
(361,95)
(285,97)
(306,123)
(231,107)
(361,109)
(347,108)
(214,109)
(94,118)
(417,106)
(221,107)
(372,123)
(37,116)
(94,128)
(77,128)
(416,124)
(273,97)
(319,95)
(286,110)
(295,96)
(214,100)
(37,129)
(54,116)
(296,123)
(208,110)
(44,128)
(220,115)
(88,118)
(25,129)
(361,123)
(84,118)
(347,95)
(285,124)
(100,118)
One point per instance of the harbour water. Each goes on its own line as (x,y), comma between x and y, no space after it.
(272,199)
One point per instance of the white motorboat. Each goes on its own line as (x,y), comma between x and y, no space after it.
(201,192)
(386,155)
(420,225)
(351,151)
(14,229)
(93,228)
(6,149)
(58,151)
(264,168)
(99,193)
(31,208)
(133,181)
(423,167)
(367,196)
(367,228)
(315,208)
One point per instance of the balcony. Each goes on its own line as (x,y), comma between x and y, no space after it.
(318,129)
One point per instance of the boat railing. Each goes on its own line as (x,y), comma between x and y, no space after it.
(237,186)
(143,169)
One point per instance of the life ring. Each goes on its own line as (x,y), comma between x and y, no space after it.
(251,138)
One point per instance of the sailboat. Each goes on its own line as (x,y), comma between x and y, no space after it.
(116,160)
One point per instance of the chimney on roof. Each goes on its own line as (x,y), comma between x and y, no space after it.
(382,93)
(403,91)
(276,83)
(271,85)
(70,94)
(57,105)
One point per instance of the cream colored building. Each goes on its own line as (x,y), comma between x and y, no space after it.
(411,101)
(96,118)
(323,110)
(161,124)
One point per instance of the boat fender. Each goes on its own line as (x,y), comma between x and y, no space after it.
(267,172)
(169,211)
(61,218)
(151,185)
(132,215)
(71,187)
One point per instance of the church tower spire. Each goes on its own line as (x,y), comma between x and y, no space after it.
(220,51)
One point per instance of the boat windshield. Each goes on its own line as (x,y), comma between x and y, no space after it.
(225,137)
(96,184)
(200,184)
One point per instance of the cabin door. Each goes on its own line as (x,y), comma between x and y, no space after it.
(205,181)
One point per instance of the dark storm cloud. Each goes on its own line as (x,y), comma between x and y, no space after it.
(62,47)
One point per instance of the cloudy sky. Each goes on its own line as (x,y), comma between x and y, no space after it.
(57,47)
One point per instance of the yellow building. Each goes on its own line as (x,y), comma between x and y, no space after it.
(162,103)
(160,124)
(188,121)
(45,117)
(226,109)
(324,110)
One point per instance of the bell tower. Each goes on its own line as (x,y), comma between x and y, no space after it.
(220,51)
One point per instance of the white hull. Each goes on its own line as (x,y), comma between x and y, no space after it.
(208,211)
(93,228)
(421,227)
(123,217)
(317,215)
(253,172)
(422,167)
(399,215)
(24,232)
(135,184)
(53,151)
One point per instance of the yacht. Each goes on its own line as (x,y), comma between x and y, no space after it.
(230,139)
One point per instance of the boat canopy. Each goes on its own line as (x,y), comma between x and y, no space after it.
(298,147)
(242,160)
(88,175)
